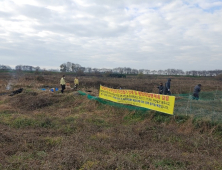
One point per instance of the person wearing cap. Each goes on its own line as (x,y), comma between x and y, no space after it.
(76,83)
(196,92)
(160,88)
(167,87)
(63,83)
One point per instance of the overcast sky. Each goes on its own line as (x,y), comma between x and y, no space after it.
(140,34)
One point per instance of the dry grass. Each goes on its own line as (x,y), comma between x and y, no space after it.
(44,130)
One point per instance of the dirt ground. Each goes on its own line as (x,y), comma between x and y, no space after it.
(44,130)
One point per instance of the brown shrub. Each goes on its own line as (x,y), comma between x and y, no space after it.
(32,101)
(40,78)
(219,77)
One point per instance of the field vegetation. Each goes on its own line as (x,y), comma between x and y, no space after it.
(44,130)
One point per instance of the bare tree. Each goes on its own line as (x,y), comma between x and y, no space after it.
(127,70)
(63,67)
(134,71)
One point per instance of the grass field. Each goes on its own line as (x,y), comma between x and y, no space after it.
(44,130)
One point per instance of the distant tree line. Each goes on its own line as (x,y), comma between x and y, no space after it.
(77,68)
(27,68)
(4,67)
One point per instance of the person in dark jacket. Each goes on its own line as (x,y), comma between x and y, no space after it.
(196,92)
(160,88)
(167,87)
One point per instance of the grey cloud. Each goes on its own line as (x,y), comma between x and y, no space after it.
(134,33)
(97,29)
(34,12)
(5,15)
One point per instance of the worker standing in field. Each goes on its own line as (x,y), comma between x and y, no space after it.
(160,88)
(63,83)
(196,92)
(167,87)
(76,83)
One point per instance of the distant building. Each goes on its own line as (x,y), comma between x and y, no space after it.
(104,70)
(54,70)
(154,72)
(143,71)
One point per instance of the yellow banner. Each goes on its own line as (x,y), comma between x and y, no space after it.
(158,102)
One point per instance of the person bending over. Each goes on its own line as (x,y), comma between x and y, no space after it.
(196,92)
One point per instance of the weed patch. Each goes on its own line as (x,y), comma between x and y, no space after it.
(136,117)
(47,123)
(159,117)
(181,118)
(25,122)
(53,141)
(68,129)
(98,122)
(202,124)
(169,164)
(89,165)
(218,131)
